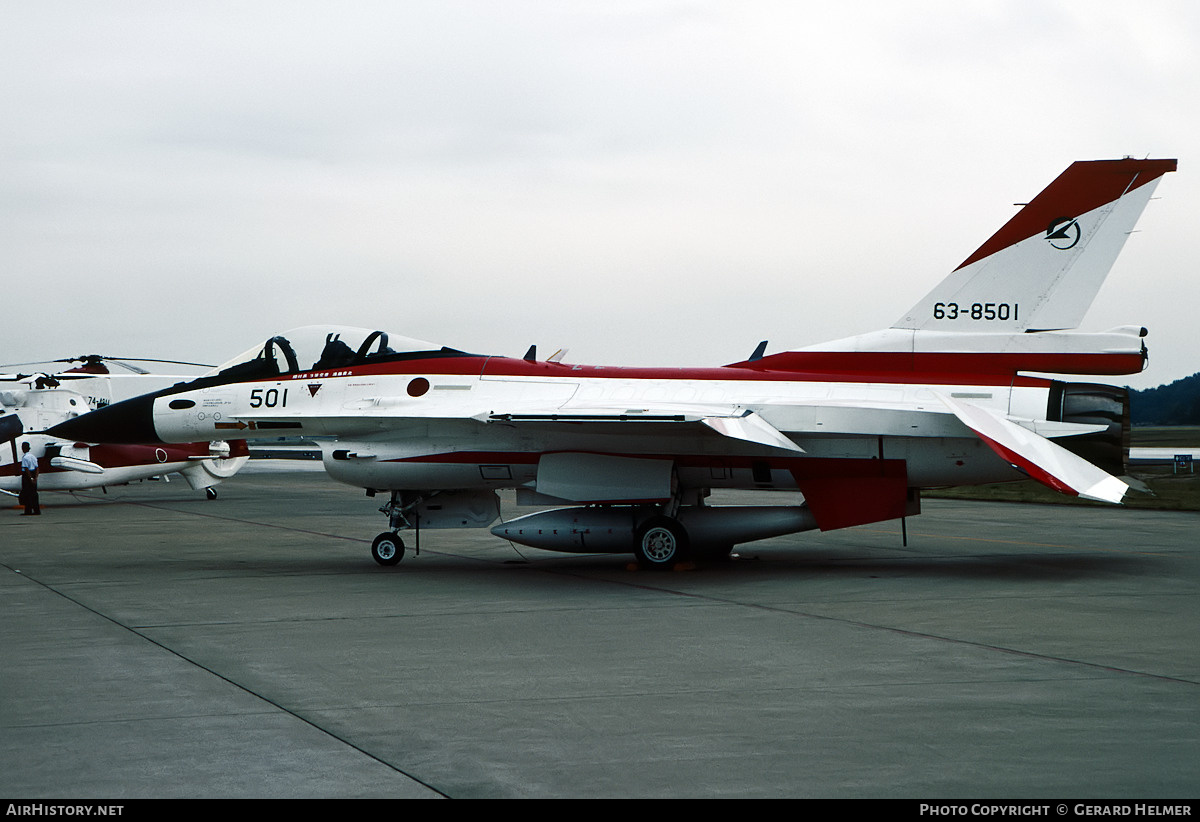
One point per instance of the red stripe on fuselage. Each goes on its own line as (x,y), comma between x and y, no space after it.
(132,456)
(127,456)
(796,366)
(954,367)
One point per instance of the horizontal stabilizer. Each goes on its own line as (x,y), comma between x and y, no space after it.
(1038,457)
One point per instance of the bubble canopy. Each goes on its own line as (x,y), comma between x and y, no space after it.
(321,348)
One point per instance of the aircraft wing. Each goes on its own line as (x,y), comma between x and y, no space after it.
(764,426)
(730,421)
(765,423)
(1048,463)
(734,422)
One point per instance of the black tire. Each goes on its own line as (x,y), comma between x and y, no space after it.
(660,544)
(387,549)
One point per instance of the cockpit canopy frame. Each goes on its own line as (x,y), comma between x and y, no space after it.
(327,348)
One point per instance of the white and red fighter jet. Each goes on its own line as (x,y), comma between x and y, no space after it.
(859,426)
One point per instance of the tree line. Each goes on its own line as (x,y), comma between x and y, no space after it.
(1175,404)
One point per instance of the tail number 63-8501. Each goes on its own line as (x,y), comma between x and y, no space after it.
(975,311)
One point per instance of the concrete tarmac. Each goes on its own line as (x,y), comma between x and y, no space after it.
(156,644)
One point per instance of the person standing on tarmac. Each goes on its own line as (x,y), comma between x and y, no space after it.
(29,478)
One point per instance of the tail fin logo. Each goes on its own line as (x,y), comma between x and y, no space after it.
(1063,233)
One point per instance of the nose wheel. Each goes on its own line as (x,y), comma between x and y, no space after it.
(387,549)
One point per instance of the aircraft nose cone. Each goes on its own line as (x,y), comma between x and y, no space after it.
(128,422)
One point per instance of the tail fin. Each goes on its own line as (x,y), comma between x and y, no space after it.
(1042,270)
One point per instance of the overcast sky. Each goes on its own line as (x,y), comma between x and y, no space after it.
(644,183)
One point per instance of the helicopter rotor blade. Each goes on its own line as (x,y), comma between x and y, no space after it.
(96,358)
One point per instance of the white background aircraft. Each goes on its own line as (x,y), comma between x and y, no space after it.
(946,396)
(31,403)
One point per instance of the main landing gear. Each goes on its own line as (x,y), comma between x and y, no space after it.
(660,543)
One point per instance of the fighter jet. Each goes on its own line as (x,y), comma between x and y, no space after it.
(954,393)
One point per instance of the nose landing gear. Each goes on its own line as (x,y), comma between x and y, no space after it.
(388,548)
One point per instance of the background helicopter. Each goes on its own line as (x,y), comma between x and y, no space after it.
(31,402)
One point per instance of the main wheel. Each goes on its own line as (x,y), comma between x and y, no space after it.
(388,549)
(660,543)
